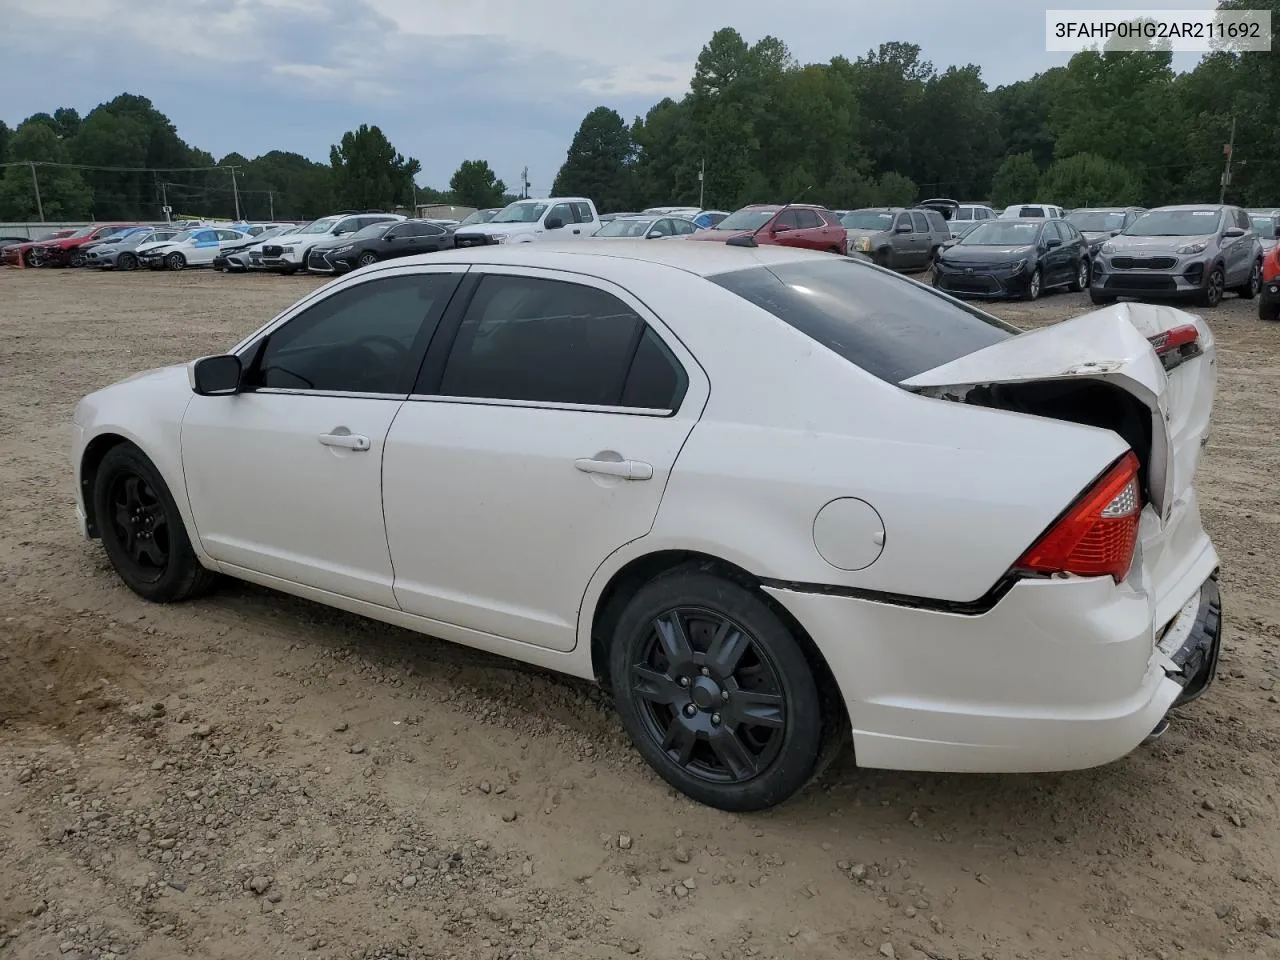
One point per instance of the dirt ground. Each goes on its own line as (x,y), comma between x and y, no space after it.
(253,775)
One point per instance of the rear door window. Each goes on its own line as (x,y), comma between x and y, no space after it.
(808,219)
(919,223)
(891,329)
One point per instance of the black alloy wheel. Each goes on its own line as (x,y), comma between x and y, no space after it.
(126,261)
(142,530)
(1081,281)
(367,259)
(1254,286)
(716,692)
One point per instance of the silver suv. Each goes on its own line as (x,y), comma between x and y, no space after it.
(1191,251)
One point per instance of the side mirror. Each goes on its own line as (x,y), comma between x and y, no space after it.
(216,376)
(902,228)
(554,223)
(1053,242)
(779,228)
(1232,232)
(655,234)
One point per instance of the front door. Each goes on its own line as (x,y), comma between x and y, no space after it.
(285,478)
(531,450)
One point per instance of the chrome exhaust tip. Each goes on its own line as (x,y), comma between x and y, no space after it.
(1158,732)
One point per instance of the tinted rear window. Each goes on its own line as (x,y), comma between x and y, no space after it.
(885,324)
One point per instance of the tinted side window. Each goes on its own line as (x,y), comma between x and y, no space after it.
(919,223)
(656,381)
(965,213)
(581,212)
(361,339)
(787,218)
(562,210)
(892,330)
(684,227)
(549,341)
(429,230)
(902,220)
(807,219)
(936,223)
(1242,220)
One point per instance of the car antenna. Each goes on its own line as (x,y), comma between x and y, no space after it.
(749,240)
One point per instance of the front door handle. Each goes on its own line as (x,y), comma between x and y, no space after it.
(347,441)
(626,469)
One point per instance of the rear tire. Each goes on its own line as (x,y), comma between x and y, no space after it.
(1254,286)
(716,692)
(142,530)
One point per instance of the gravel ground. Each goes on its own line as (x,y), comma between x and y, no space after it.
(254,775)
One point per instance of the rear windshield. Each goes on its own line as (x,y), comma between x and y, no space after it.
(889,326)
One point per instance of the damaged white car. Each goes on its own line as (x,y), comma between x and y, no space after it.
(771,498)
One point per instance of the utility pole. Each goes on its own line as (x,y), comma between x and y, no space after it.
(35,182)
(235,192)
(1226,172)
(524,184)
(702,184)
(271,199)
(164,202)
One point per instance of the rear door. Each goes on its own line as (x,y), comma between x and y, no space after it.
(538,441)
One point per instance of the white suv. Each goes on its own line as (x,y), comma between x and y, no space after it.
(289,254)
(559,218)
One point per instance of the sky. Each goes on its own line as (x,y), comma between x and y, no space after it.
(507,81)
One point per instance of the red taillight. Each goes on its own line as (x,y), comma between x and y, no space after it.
(1271,266)
(1098,535)
(1175,338)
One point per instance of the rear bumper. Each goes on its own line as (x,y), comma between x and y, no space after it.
(1059,675)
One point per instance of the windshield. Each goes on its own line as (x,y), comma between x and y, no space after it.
(624,228)
(522,212)
(868,220)
(1096,221)
(320,226)
(890,327)
(480,216)
(993,233)
(1174,223)
(752,218)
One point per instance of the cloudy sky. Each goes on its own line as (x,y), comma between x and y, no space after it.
(504,80)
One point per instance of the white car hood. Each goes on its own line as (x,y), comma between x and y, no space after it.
(483,229)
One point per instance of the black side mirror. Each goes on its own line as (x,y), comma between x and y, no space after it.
(216,376)
(554,223)
(1053,242)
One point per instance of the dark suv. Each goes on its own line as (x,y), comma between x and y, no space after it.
(1190,251)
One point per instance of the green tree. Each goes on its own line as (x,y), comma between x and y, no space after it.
(368,172)
(895,190)
(891,81)
(474,184)
(599,163)
(1016,180)
(947,156)
(1087,180)
(63,192)
(67,120)
(1022,115)
(5,135)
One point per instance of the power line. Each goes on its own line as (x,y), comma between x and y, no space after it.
(91,166)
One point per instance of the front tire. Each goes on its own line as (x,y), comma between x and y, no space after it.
(1269,310)
(367,259)
(175,261)
(716,692)
(1211,292)
(142,530)
(1033,286)
(126,261)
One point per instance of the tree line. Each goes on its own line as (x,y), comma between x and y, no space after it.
(885,128)
(124,160)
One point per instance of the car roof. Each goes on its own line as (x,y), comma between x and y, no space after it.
(1192,206)
(600,257)
(1102,209)
(778,206)
(1036,220)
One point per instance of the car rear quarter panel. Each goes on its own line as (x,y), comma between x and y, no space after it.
(790,426)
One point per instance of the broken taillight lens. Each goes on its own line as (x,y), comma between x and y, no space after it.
(1098,535)
(1176,345)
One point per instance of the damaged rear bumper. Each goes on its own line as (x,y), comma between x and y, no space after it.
(1193,642)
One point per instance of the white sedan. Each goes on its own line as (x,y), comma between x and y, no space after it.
(769,497)
(191,248)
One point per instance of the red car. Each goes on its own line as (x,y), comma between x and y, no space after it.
(1269,301)
(793,225)
(68,251)
(14,252)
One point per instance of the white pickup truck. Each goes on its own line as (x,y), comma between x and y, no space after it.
(528,220)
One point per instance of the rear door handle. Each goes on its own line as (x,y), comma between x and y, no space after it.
(626,469)
(347,441)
